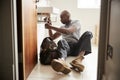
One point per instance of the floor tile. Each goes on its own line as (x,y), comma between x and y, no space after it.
(43,72)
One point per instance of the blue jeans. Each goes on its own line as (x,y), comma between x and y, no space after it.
(73,48)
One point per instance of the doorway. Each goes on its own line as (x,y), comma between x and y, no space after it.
(89,18)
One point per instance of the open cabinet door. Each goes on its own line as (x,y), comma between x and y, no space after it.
(27,37)
(29,29)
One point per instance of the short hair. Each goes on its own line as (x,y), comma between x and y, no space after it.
(65,12)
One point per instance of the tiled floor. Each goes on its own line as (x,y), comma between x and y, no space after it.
(43,72)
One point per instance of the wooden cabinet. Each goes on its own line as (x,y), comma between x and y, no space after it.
(27,36)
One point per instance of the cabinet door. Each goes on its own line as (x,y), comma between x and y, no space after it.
(29,36)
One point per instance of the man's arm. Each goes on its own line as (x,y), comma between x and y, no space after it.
(55,35)
(50,33)
(61,30)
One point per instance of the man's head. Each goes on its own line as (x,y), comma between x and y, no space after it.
(65,17)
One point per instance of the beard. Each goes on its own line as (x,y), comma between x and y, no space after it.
(66,22)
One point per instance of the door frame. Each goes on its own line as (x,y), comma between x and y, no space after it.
(8,40)
(14,39)
(103,37)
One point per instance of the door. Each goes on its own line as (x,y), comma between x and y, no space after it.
(27,36)
(29,29)
(112,64)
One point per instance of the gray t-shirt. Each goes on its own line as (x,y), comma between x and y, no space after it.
(74,35)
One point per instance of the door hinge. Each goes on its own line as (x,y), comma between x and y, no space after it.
(109,51)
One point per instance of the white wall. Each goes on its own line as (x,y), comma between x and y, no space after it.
(88,17)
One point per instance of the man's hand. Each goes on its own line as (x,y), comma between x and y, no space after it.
(47,26)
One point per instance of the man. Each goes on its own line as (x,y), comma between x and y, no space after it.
(70,45)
